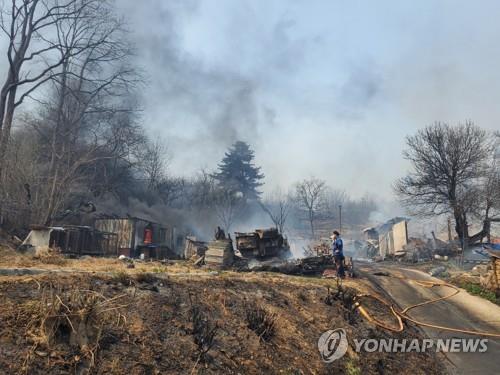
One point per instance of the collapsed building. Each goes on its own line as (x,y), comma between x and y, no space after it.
(388,239)
(392,240)
(393,236)
(370,234)
(194,248)
(72,240)
(262,243)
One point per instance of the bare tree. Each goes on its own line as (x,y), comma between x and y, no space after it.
(277,205)
(310,197)
(22,163)
(31,30)
(228,207)
(83,118)
(483,199)
(204,191)
(172,189)
(449,165)
(154,163)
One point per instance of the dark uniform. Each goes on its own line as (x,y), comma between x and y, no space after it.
(338,254)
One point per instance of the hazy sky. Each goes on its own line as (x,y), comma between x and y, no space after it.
(323,88)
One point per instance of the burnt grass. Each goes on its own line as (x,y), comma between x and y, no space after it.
(153,325)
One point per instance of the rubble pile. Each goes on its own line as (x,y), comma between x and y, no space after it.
(417,250)
(372,248)
(314,265)
(442,248)
(322,248)
(194,248)
(262,244)
(391,241)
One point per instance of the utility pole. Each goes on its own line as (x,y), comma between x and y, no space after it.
(340,218)
(464,244)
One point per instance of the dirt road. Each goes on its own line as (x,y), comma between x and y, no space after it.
(462,311)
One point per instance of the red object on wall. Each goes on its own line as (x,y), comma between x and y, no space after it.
(148,235)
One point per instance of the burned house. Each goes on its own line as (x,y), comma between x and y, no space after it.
(386,240)
(136,236)
(393,237)
(108,237)
(262,243)
(193,247)
(72,240)
(370,234)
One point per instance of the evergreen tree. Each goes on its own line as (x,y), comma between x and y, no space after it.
(238,174)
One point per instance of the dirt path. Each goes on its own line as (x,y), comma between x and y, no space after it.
(462,311)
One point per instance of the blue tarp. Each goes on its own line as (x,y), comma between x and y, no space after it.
(492,246)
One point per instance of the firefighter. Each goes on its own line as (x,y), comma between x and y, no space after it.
(338,253)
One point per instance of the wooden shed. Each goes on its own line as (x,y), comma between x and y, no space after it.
(136,236)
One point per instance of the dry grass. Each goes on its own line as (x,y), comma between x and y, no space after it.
(146,278)
(261,321)
(47,255)
(75,318)
(123,277)
(51,260)
(148,331)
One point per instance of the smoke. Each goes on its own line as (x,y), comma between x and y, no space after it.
(386,209)
(205,93)
(201,109)
(324,89)
(300,246)
(199,224)
(359,91)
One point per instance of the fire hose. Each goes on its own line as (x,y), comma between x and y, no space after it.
(402,315)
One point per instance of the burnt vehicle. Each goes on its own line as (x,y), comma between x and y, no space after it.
(262,243)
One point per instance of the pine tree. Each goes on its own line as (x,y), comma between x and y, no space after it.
(238,174)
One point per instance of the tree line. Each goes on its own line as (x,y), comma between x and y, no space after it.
(70,60)
(231,194)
